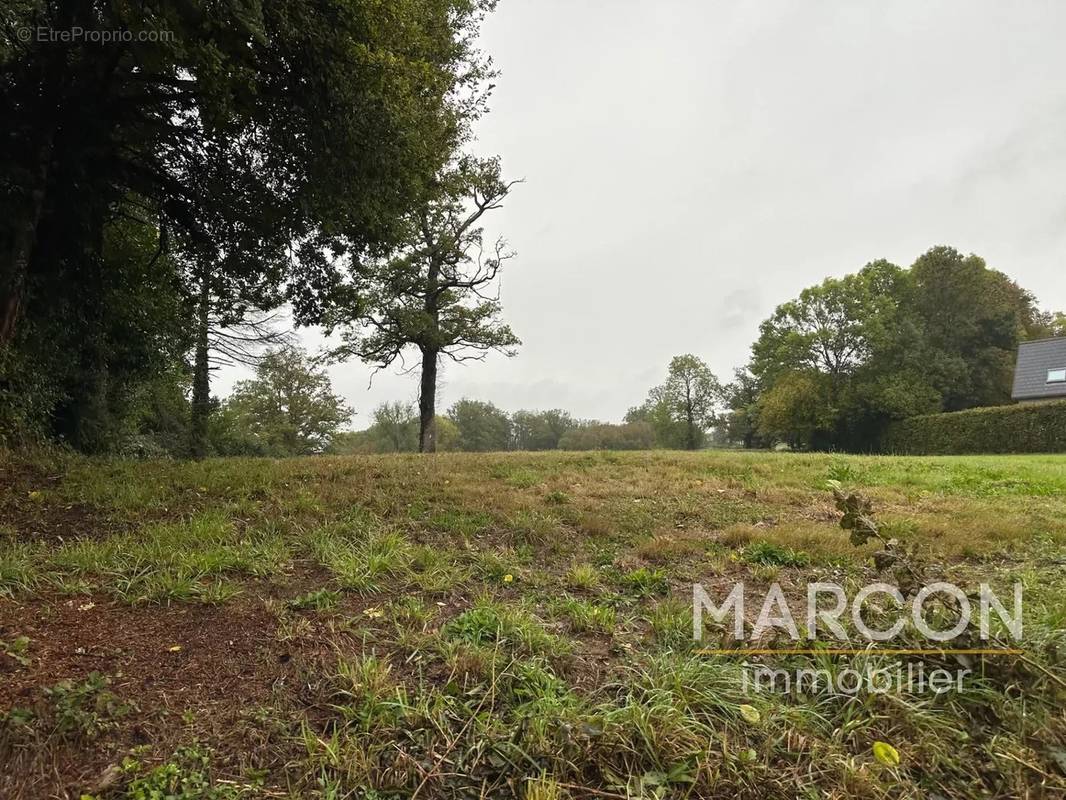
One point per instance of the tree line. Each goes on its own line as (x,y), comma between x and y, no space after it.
(831,368)
(289,408)
(161,198)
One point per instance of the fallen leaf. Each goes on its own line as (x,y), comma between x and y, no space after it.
(750,713)
(175,648)
(886,754)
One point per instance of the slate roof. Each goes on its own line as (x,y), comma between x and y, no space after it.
(1030,373)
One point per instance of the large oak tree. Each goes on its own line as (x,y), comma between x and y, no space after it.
(437,296)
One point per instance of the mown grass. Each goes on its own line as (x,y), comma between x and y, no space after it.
(520,624)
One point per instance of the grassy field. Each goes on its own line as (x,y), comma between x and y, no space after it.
(497,626)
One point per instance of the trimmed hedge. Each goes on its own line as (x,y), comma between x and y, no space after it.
(1024,428)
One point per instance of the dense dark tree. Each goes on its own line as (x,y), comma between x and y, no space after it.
(319,122)
(972,319)
(250,143)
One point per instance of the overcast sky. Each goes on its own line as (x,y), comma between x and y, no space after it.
(690,165)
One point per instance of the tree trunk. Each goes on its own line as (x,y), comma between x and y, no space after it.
(14,264)
(427,402)
(201,378)
(690,433)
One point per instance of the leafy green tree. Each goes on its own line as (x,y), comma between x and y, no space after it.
(540,430)
(655,414)
(685,406)
(972,320)
(396,427)
(115,324)
(832,328)
(241,150)
(482,426)
(887,343)
(288,409)
(434,296)
(741,398)
(1056,325)
(796,410)
(447,434)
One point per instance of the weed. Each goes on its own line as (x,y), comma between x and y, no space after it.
(644,582)
(771,554)
(489,622)
(543,788)
(583,577)
(557,497)
(186,776)
(18,570)
(584,615)
(319,599)
(84,709)
(16,649)
(671,624)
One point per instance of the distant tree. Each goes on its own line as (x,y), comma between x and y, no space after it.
(482,426)
(656,415)
(887,343)
(601,436)
(1057,325)
(741,397)
(396,427)
(852,344)
(795,410)
(434,296)
(447,433)
(394,430)
(832,328)
(289,408)
(1048,324)
(540,430)
(685,406)
(348,443)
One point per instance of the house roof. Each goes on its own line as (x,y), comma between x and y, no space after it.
(1035,359)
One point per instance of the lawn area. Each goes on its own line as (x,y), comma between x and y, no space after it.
(499,625)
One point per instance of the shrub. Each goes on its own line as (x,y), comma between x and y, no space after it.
(1026,428)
